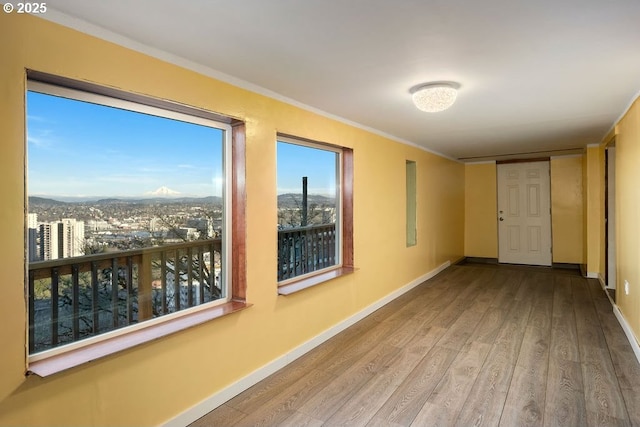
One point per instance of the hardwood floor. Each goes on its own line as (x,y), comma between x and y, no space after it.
(478,345)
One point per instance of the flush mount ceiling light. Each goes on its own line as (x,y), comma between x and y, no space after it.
(434,97)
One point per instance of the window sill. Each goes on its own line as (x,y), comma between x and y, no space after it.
(61,362)
(310,281)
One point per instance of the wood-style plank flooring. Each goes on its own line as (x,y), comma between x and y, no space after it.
(478,345)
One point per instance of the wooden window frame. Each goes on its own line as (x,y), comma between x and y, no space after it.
(236,301)
(346,266)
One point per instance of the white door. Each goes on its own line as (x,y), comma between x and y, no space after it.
(524,213)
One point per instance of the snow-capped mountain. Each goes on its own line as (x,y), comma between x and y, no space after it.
(162,192)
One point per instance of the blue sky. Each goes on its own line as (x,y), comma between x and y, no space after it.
(81,149)
(78,149)
(296,161)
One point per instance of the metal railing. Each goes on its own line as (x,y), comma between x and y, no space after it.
(305,249)
(75,298)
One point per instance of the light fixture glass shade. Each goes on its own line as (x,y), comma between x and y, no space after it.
(434,97)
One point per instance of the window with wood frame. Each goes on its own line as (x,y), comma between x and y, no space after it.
(315,204)
(129,211)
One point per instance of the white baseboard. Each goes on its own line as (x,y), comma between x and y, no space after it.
(592,275)
(621,319)
(602,281)
(627,331)
(220,397)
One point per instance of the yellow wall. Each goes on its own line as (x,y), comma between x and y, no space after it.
(594,209)
(150,384)
(628,215)
(567,209)
(481,228)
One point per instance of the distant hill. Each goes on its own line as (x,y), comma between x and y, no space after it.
(294,200)
(43,201)
(160,200)
(34,200)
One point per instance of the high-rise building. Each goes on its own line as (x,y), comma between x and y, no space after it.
(48,241)
(73,241)
(62,239)
(32,236)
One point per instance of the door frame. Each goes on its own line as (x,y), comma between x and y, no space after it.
(532,160)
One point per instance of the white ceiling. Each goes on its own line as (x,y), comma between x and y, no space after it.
(535,75)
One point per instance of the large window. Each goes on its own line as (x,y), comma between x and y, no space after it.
(314,208)
(128,217)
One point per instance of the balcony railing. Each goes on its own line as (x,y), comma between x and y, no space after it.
(305,249)
(71,299)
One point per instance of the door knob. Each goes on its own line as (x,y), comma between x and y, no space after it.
(501,219)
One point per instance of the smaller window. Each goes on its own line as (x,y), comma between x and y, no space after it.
(412,238)
(314,208)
